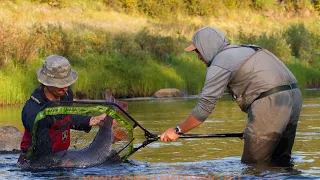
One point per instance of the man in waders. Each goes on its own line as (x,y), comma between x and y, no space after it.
(53,133)
(262,86)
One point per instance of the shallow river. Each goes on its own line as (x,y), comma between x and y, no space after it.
(208,158)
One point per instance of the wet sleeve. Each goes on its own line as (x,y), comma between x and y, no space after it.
(79,122)
(217,79)
(43,139)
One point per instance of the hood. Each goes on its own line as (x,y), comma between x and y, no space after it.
(209,42)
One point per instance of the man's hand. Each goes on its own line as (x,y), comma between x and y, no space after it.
(97,120)
(189,123)
(169,135)
(242,137)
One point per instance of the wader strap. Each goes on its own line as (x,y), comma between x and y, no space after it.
(276,90)
(254,47)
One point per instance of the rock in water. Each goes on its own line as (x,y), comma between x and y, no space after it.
(10,139)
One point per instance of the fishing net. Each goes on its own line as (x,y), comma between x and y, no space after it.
(62,114)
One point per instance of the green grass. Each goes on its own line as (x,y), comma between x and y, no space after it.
(307,77)
(16,84)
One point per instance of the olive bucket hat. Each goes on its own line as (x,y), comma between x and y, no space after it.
(56,71)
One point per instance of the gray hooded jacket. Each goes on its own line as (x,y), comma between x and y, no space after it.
(246,72)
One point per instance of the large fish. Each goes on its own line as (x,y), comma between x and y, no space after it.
(98,152)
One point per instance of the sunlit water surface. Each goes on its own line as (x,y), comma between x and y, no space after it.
(209,158)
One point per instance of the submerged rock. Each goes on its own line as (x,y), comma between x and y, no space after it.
(10,139)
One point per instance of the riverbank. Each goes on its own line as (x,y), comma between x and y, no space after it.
(134,54)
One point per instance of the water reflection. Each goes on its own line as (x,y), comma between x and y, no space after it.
(11,116)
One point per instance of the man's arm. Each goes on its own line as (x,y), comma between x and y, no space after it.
(28,115)
(84,123)
(81,123)
(217,79)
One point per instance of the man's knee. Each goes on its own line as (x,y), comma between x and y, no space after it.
(259,148)
(282,153)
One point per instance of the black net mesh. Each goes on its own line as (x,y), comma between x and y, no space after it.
(109,142)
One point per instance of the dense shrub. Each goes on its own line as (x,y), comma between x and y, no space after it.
(82,41)
(18,45)
(276,44)
(316,4)
(160,9)
(264,4)
(53,3)
(303,44)
(161,47)
(55,40)
(198,7)
(115,4)
(296,41)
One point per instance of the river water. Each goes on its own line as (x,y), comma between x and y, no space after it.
(210,158)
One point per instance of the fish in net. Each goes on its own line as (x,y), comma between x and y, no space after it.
(112,141)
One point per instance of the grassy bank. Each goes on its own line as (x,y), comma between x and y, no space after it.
(136,53)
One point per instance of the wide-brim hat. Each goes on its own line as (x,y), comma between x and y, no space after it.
(56,71)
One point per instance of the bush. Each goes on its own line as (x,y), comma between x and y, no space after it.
(55,40)
(18,45)
(53,3)
(82,41)
(160,9)
(124,44)
(199,8)
(316,4)
(160,47)
(264,4)
(117,5)
(276,44)
(301,42)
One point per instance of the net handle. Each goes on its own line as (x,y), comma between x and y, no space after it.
(149,137)
(216,135)
(154,137)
